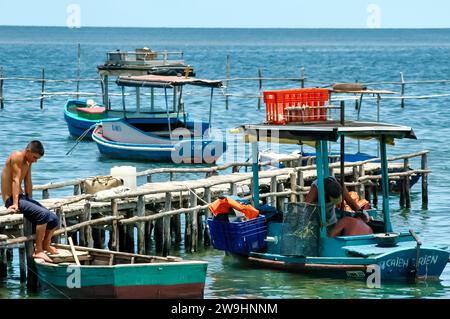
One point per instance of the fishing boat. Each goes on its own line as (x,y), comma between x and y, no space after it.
(81,116)
(173,138)
(110,274)
(300,242)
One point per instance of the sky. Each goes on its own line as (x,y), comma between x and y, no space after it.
(228,13)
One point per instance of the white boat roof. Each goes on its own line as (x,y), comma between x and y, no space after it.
(152,80)
(329,130)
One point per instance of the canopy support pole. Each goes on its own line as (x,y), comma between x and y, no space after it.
(210,108)
(123,103)
(320,188)
(255,170)
(385,185)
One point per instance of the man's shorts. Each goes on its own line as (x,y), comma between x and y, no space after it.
(35,212)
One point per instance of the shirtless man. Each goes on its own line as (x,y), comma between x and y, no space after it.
(17,169)
(351,226)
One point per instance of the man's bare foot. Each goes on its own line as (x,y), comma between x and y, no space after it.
(42,255)
(52,250)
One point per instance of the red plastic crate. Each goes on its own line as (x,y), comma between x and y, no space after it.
(296,105)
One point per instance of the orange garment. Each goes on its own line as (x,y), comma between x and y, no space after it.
(363,203)
(222,206)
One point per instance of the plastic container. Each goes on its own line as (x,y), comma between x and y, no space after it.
(296,105)
(127,174)
(239,237)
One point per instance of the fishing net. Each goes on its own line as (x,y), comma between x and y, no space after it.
(300,230)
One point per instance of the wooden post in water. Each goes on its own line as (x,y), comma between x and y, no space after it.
(166,226)
(22,263)
(87,211)
(280,200)
(3,257)
(42,89)
(424,166)
(45,194)
(375,194)
(293,180)
(402,90)
(129,234)
(149,178)
(362,173)
(140,211)
(159,233)
(78,70)
(227,82)
(233,189)
(2,102)
(32,279)
(302,77)
(402,192)
(259,88)
(194,234)
(206,235)
(273,189)
(301,184)
(176,222)
(115,226)
(406,184)
(82,230)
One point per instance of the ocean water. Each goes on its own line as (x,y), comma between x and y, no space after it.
(328,56)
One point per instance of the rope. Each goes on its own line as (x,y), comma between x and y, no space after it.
(80,138)
(195,194)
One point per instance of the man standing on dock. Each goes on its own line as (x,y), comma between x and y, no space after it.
(17,169)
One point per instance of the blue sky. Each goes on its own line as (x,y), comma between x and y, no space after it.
(228,13)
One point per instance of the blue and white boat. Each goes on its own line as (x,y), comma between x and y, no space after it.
(81,116)
(174,138)
(300,242)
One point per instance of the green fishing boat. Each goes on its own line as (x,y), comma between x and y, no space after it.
(109,274)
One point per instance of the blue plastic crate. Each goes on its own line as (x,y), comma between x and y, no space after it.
(238,237)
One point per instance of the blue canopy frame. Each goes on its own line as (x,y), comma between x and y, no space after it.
(321,134)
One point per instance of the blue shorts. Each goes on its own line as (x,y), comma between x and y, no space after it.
(35,212)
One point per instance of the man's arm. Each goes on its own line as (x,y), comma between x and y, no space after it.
(338,228)
(28,184)
(16,172)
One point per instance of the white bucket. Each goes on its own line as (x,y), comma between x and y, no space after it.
(127,173)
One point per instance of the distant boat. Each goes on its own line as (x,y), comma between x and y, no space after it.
(173,138)
(82,115)
(109,274)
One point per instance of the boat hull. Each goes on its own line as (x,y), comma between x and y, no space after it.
(152,280)
(188,150)
(398,265)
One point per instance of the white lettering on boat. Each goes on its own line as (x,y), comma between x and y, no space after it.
(399,262)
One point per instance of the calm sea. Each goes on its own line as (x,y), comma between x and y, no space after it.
(327,55)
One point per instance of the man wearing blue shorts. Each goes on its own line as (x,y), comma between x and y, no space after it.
(17,169)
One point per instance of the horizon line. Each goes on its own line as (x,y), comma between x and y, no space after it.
(192,27)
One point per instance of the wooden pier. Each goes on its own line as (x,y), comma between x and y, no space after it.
(156,211)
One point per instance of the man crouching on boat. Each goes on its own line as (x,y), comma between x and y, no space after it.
(17,169)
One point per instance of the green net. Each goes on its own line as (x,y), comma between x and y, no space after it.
(300,230)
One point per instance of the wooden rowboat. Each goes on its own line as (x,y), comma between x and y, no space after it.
(109,274)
